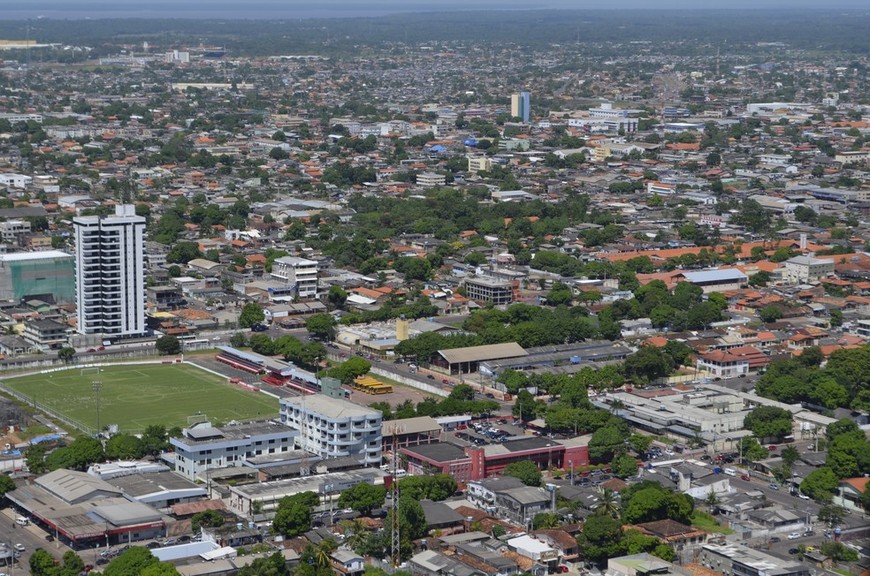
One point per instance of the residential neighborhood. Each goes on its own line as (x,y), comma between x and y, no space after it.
(434,306)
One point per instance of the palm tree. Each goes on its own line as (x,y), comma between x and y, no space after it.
(608,504)
(323,552)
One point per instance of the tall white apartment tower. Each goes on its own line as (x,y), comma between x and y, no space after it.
(110,273)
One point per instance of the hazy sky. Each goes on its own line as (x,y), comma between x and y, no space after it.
(15,9)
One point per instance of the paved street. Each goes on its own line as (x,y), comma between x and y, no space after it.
(32,537)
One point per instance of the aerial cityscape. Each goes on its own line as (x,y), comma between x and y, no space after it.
(465,289)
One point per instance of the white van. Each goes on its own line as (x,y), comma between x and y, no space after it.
(22,521)
(730,471)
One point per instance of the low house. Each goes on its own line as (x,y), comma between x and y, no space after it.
(347,562)
(850,491)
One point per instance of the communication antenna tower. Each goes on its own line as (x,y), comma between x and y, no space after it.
(395,531)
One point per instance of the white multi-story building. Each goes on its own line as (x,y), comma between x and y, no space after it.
(299,272)
(803,269)
(110,273)
(12,229)
(334,428)
(203,447)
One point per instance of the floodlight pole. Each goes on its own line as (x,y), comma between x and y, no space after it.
(98,387)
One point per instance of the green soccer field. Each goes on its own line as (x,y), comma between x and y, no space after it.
(135,396)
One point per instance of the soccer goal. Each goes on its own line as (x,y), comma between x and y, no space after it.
(90,371)
(196,419)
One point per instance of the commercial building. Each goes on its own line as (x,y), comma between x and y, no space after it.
(149,483)
(521,105)
(474,463)
(431,179)
(479,163)
(83,510)
(438,458)
(48,276)
(486,289)
(203,447)
(746,561)
(722,364)
(262,498)
(110,273)
(717,280)
(300,273)
(407,432)
(803,269)
(334,428)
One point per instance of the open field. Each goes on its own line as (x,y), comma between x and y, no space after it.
(135,396)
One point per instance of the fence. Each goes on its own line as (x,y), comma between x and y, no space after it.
(48,410)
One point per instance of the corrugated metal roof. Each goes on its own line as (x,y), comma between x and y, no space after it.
(483,353)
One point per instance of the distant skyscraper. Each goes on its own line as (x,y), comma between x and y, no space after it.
(110,273)
(520,105)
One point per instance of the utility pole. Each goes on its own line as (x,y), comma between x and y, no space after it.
(98,387)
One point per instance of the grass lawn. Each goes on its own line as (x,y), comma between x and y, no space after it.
(707,522)
(134,396)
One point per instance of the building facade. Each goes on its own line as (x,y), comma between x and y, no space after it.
(48,276)
(298,272)
(521,105)
(203,447)
(110,273)
(802,269)
(334,428)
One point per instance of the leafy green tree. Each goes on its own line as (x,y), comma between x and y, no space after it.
(640,443)
(789,455)
(80,454)
(42,563)
(831,514)
(624,465)
(137,561)
(647,364)
(601,538)
(272,565)
(412,520)
(35,459)
(351,368)
(168,345)
(648,501)
(839,552)
(769,422)
(752,450)
(363,498)
(7,484)
(293,515)
(434,487)
(66,354)
(820,484)
(560,295)
(183,252)
(321,326)
(206,518)
(124,447)
(605,442)
(770,313)
(336,296)
(250,315)
(526,471)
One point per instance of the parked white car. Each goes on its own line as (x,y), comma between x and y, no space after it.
(794,536)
